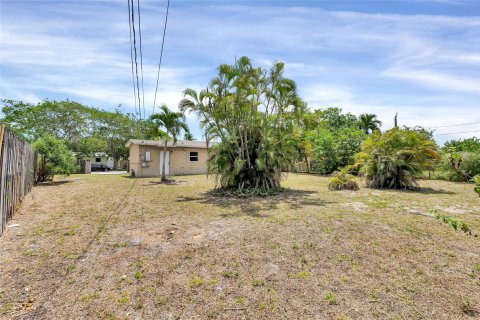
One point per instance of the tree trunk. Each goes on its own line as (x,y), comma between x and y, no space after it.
(164,158)
(308,164)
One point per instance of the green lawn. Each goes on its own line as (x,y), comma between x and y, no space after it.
(112,247)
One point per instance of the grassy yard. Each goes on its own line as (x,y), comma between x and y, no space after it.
(111,247)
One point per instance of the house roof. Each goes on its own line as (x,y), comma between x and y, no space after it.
(179,144)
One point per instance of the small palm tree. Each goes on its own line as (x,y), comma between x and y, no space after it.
(395,159)
(173,123)
(369,122)
(188,136)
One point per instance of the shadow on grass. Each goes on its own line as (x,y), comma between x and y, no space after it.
(253,206)
(53,183)
(169,182)
(420,190)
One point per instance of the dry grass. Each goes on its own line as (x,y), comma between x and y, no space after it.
(111,247)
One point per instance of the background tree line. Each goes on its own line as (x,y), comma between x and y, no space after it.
(67,130)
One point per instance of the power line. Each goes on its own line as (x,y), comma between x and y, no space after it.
(444,134)
(161,55)
(455,125)
(141,58)
(131,57)
(135,51)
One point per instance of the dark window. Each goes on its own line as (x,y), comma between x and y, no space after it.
(193,156)
(98,160)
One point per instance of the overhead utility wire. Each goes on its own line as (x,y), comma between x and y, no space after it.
(454,125)
(141,58)
(444,134)
(131,57)
(136,64)
(161,55)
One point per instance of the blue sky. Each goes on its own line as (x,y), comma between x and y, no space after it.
(418,58)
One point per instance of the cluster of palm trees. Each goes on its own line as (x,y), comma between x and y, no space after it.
(255,115)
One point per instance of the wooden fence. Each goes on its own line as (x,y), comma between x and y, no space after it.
(17,173)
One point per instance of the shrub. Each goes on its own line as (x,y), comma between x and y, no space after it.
(395,159)
(459,166)
(476,180)
(343,180)
(55,158)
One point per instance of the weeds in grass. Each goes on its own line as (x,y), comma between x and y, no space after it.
(331,298)
(139,275)
(374,297)
(300,275)
(466,306)
(230,274)
(124,298)
(161,300)
(240,300)
(454,223)
(29,253)
(196,282)
(258,283)
(90,296)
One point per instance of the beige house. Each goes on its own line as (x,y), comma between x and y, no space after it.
(182,158)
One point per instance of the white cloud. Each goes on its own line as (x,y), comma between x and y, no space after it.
(362,62)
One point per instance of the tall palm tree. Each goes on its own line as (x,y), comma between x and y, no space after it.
(173,123)
(368,122)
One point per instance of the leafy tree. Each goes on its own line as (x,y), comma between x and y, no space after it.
(55,158)
(73,122)
(333,119)
(324,151)
(395,158)
(253,114)
(368,122)
(89,145)
(173,123)
(334,149)
(463,145)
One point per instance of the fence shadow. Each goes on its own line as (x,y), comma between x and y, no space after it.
(256,206)
(53,183)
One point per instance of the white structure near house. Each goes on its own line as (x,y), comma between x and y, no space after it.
(100,158)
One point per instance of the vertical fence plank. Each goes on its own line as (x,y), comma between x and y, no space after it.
(17,173)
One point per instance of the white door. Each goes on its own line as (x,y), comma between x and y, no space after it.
(167,163)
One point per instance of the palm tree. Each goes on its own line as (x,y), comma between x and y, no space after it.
(368,122)
(395,159)
(173,123)
(188,136)
(253,115)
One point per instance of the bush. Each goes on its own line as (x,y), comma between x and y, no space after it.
(459,166)
(395,159)
(55,158)
(343,180)
(476,180)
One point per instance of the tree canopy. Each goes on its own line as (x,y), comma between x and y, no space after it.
(84,129)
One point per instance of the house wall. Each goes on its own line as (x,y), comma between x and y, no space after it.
(180,163)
